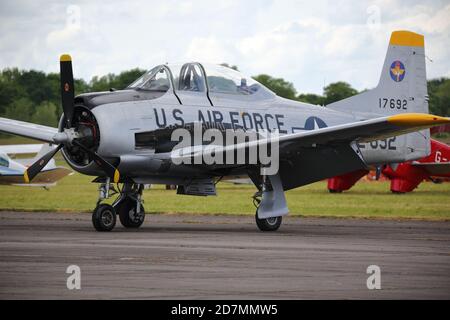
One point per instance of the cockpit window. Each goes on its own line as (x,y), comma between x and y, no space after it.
(226,80)
(144,78)
(159,82)
(156,79)
(191,78)
(3,161)
(188,77)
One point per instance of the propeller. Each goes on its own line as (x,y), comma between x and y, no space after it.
(69,136)
(67,88)
(36,167)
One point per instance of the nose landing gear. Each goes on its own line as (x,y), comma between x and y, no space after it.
(128,205)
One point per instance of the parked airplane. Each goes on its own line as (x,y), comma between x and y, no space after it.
(12,170)
(405,176)
(126,136)
(408,175)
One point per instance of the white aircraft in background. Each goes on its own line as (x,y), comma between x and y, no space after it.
(12,170)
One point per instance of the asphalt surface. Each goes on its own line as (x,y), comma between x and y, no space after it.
(222,257)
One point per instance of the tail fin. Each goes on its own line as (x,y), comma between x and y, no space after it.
(403,82)
(402,89)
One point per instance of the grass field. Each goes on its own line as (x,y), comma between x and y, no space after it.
(366,200)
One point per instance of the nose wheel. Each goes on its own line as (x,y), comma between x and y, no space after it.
(104,217)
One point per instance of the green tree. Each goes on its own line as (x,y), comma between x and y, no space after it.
(311,98)
(278,85)
(103,83)
(125,78)
(9,89)
(45,114)
(20,109)
(443,96)
(36,85)
(111,80)
(439,93)
(337,91)
(81,86)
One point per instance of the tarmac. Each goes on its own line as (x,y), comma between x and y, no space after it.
(222,257)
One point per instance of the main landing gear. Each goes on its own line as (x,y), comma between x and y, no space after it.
(128,205)
(267,224)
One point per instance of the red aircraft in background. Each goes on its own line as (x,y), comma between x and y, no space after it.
(406,176)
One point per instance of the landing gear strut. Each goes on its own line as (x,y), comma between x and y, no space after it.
(128,205)
(265,224)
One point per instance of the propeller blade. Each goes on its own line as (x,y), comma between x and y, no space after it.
(36,167)
(107,167)
(67,88)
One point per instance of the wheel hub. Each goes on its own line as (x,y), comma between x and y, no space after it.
(107,218)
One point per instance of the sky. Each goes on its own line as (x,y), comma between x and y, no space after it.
(309,43)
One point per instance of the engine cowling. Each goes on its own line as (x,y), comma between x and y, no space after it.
(85,124)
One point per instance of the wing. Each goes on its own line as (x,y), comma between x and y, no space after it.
(5,171)
(43,178)
(324,152)
(435,168)
(362,131)
(29,130)
(20,148)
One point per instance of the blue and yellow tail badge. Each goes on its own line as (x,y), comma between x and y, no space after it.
(397,71)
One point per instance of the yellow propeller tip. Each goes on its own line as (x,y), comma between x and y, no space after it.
(65,57)
(25,177)
(116,176)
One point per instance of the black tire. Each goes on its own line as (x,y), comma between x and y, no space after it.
(127,213)
(269,224)
(104,217)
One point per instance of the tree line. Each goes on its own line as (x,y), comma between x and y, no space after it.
(34,96)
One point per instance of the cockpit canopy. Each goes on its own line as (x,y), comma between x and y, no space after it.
(196,77)
(4,160)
